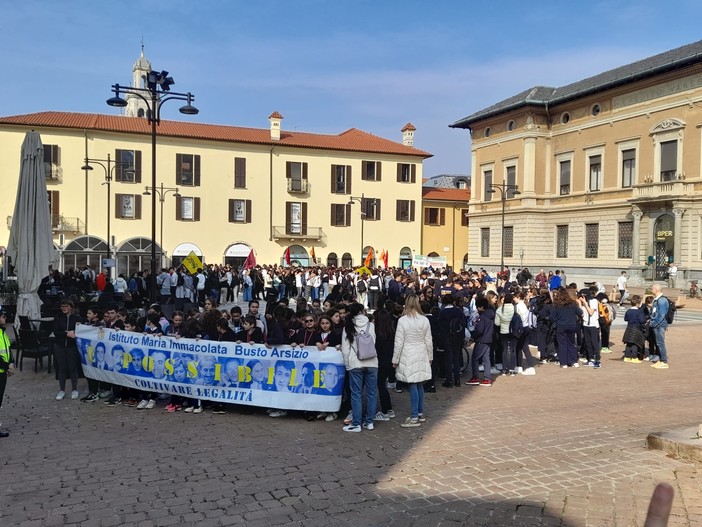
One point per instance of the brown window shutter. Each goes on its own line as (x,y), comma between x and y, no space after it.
(304,170)
(464,217)
(399,172)
(413,172)
(378,166)
(333,215)
(179,209)
(288,209)
(119,170)
(347,215)
(377,209)
(239,172)
(398,210)
(333,179)
(55,208)
(196,162)
(232,205)
(426,216)
(304,218)
(288,170)
(347,179)
(137,207)
(364,170)
(442,216)
(247,212)
(55,154)
(118,206)
(179,165)
(196,212)
(411,210)
(137,166)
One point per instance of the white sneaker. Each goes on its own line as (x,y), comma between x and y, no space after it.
(391,414)
(529,371)
(278,413)
(189,409)
(519,369)
(391,385)
(494,371)
(75,395)
(351,428)
(576,365)
(481,368)
(142,404)
(368,426)
(150,405)
(198,410)
(330,417)
(499,366)
(380,416)
(60,395)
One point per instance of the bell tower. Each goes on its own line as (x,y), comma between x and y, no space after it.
(135,106)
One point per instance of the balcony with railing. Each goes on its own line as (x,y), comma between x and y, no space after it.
(53,172)
(293,232)
(61,223)
(298,186)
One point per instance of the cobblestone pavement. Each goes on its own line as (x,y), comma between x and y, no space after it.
(566,447)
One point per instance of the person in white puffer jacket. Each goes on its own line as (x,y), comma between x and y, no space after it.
(412,356)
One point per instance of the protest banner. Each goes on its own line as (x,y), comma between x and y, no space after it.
(299,378)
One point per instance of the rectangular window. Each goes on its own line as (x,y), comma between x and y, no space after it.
(404,210)
(487,179)
(341,179)
(370,207)
(628,167)
(595,173)
(371,170)
(128,166)
(54,210)
(52,161)
(239,172)
(406,173)
(188,170)
(340,214)
(592,240)
(296,218)
(434,216)
(187,209)
(296,174)
(485,242)
(508,242)
(564,178)
(240,211)
(464,217)
(561,241)
(128,206)
(511,180)
(626,238)
(669,160)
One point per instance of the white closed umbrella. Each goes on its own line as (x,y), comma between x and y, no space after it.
(31,244)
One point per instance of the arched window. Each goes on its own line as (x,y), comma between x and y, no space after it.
(346,260)
(82,251)
(332,260)
(135,255)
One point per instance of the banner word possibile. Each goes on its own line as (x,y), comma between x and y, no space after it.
(225,372)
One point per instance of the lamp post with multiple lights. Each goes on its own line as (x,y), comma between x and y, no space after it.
(504,189)
(109,166)
(156,92)
(162,192)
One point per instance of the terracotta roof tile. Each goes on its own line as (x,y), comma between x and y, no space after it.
(446,194)
(275,115)
(354,140)
(408,126)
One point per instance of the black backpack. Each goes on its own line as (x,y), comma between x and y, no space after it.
(516,328)
(361,286)
(672,308)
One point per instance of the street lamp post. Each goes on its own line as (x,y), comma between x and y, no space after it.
(157,92)
(108,165)
(504,189)
(161,192)
(362,202)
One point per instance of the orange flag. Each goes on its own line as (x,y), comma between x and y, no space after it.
(369,257)
(385,259)
(314,258)
(382,256)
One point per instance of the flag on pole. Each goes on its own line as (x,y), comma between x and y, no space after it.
(250,260)
(314,258)
(287,255)
(382,256)
(369,257)
(385,260)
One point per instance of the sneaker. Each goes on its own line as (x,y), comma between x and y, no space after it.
(494,371)
(397,390)
(171,408)
(330,417)
(576,365)
(368,426)
(499,366)
(142,404)
(90,398)
(519,369)
(655,358)
(391,414)
(391,385)
(512,373)
(189,409)
(113,401)
(321,415)
(564,365)
(660,365)
(380,416)
(422,418)
(150,405)
(132,403)
(349,419)
(60,395)
(481,368)
(628,359)
(104,394)
(411,422)
(597,364)
(197,409)
(474,381)
(278,413)
(589,363)
(220,410)
(605,350)
(178,407)
(75,395)
(635,360)
(486,382)
(647,359)
(351,428)
(529,371)
(583,360)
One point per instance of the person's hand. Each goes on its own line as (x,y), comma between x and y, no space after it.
(660,506)
(394,365)
(10,370)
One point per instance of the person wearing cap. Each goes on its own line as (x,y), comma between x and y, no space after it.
(66,349)
(7,364)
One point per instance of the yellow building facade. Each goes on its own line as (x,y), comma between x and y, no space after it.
(221,191)
(445,225)
(607,169)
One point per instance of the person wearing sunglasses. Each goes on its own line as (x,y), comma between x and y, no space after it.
(303,336)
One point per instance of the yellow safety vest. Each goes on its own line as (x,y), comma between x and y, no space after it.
(4,348)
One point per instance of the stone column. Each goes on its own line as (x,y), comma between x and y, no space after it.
(636,239)
(529,168)
(677,253)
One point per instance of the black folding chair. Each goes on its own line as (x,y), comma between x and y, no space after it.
(33,346)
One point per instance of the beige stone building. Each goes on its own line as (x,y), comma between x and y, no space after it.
(608,170)
(445,224)
(226,190)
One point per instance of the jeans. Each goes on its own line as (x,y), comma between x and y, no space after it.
(481,353)
(360,378)
(416,390)
(659,331)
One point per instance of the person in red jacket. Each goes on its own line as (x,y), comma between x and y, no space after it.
(100,281)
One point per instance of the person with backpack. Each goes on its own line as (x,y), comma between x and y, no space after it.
(660,319)
(362,365)
(374,290)
(503,319)
(526,366)
(607,314)
(483,332)
(634,336)
(452,327)
(591,326)
(566,316)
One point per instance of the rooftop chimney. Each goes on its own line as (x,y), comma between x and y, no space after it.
(408,134)
(275,118)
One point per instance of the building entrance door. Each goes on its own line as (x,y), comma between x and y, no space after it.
(661,261)
(663,242)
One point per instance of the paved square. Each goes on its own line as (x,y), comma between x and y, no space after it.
(566,447)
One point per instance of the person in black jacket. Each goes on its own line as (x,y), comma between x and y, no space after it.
(65,349)
(483,335)
(452,324)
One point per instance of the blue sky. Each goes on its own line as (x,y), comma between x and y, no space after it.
(329,65)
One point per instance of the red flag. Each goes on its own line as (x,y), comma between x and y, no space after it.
(250,260)
(385,259)
(287,256)
(314,258)
(369,257)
